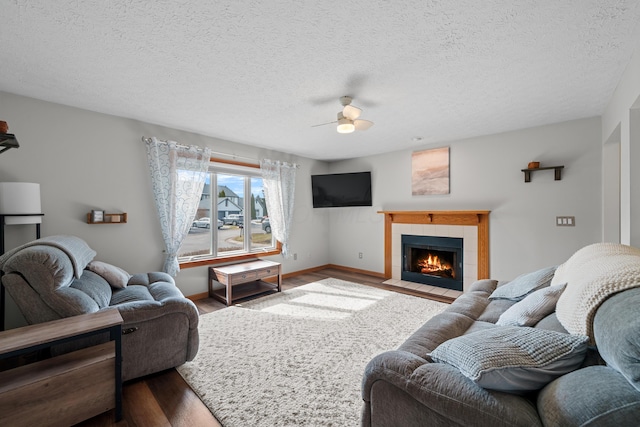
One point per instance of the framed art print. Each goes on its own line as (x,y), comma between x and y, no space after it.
(430,172)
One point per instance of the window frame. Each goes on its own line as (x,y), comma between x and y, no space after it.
(213,260)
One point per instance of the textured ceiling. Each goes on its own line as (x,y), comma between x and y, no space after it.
(262,72)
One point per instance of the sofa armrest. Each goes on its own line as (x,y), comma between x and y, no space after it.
(444,391)
(142,311)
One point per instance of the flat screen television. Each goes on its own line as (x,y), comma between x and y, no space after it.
(341,189)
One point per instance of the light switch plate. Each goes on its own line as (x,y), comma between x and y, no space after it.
(566,221)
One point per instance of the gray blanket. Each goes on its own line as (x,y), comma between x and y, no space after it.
(77,249)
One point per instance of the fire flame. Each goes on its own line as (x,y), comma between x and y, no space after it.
(433,265)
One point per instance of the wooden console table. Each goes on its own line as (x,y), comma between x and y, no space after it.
(233,282)
(66,389)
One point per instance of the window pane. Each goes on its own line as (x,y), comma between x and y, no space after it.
(231,212)
(260,228)
(198,241)
(227,222)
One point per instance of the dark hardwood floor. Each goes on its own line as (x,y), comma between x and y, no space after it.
(165,399)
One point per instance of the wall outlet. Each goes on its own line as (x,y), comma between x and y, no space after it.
(295,256)
(360,255)
(565,221)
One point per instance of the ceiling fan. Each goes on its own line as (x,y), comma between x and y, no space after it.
(348,118)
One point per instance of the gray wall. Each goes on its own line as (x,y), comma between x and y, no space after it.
(85,160)
(485,174)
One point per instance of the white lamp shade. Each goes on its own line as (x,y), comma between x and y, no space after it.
(20,198)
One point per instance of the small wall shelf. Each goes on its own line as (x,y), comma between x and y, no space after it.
(7,141)
(558,172)
(109,218)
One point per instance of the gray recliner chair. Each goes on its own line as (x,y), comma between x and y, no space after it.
(52,278)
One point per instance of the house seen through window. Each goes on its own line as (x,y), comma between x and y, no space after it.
(232,217)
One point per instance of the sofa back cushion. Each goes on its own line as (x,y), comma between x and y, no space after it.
(95,287)
(616,329)
(51,274)
(45,268)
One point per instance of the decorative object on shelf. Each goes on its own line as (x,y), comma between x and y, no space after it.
(558,172)
(430,172)
(97,216)
(100,217)
(19,204)
(7,140)
(533,165)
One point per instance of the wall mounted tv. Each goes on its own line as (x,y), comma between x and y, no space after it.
(341,189)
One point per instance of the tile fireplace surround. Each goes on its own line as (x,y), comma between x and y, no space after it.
(472,226)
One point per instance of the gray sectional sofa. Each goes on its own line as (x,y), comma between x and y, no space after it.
(581,362)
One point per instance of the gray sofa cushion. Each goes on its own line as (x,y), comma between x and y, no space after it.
(96,288)
(533,308)
(616,328)
(455,321)
(448,397)
(117,277)
(592,396)
(551,323)
(76,250)
(513,359)
(524,284)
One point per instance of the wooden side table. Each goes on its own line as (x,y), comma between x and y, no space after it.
(234,282)
(66,389)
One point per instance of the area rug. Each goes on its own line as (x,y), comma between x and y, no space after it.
(296,358)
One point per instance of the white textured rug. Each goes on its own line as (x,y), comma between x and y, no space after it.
(297,358)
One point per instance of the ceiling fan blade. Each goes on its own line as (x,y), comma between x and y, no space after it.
(362,124)
(351,112)
(324,124)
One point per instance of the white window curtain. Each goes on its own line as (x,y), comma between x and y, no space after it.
(279,181)
(178,174)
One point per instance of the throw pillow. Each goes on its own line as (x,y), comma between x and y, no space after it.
(513,359)
(536,306)
(115,276)
(524,284)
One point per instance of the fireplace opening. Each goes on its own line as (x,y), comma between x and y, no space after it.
(436,263)
(431,260)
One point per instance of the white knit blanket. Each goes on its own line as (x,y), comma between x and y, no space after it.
(592,275)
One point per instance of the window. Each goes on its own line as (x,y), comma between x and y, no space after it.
(232,218)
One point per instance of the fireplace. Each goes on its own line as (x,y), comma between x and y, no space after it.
(431,260)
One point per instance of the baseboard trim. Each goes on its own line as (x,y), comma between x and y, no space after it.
(301,272)
(196,297)
(356,270)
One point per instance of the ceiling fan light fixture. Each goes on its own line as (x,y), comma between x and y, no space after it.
(345,126)
(348,121)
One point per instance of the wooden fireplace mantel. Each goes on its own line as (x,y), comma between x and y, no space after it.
(480,219)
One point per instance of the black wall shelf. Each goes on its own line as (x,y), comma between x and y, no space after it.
(7,141)
(558,172)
